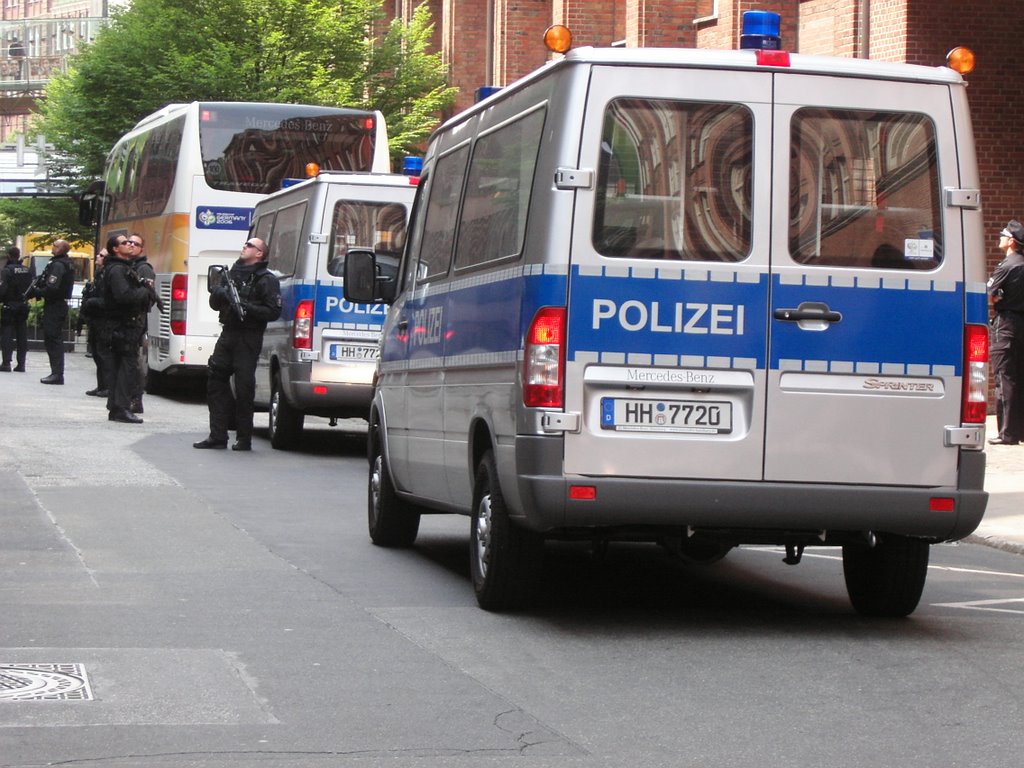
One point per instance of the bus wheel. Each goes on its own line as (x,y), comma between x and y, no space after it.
(504,560)
(887,579)
(392,521)
(285,421)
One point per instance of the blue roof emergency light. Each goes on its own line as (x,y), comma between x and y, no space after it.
(761,31)
(486,90)
(412,166)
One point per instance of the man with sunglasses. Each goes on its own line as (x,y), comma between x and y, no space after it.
(239,344)
(124,316)
(142,267)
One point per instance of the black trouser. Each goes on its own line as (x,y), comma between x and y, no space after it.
(118,344)
(235,355)
(14,324)
(55,316)
(98,354)
(1006,356)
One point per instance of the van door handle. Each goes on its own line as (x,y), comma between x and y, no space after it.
(808,310)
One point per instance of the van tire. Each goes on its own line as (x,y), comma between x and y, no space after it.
(392,521)
(285,422)
(505,560)
(887,579)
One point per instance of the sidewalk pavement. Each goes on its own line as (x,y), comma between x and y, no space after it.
(1003,524)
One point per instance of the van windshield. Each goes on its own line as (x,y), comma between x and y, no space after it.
(674,181)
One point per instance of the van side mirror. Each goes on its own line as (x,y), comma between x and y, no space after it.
(369,278)
(215,277)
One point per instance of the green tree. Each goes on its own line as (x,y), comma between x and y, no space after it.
(57,216)
(158,52)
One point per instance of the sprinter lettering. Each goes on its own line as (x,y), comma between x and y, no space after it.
(678,317)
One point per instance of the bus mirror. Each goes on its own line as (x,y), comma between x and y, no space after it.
(90,203)
(369,280)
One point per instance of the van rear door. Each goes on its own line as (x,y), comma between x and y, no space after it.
(867,287)
(668,286)
(765,291)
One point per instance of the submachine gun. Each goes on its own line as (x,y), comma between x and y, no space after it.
(138,280)
(219,276)
(35,291)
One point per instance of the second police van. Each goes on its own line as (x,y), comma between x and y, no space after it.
(703,298)
(319,358)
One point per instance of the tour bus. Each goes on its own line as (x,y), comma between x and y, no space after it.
(187,178)
(319,357)
(702,298)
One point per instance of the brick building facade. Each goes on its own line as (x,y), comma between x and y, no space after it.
(493,42)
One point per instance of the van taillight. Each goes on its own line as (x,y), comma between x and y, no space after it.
(302,326)
(544,359)
(975,401)
(179,303)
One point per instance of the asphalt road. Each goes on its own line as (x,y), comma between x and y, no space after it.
(228,609)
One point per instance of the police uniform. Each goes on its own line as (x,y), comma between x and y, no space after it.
(15,280)
(146,272)
(93,312)
(1006,350)
(237,351)
(123,317)
(54,288)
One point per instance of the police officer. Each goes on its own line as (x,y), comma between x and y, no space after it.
(238,347)
(1006,352)
(91,313)
(15,280)
(144,270)
(124,300)
(54,288)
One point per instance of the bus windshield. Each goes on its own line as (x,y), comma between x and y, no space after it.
(251,148)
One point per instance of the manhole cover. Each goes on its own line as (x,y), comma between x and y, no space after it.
(44,682)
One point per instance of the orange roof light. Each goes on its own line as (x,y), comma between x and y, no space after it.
(961,60)
(558,38)
(312,170)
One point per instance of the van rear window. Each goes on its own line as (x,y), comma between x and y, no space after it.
(864,190)
(674,181)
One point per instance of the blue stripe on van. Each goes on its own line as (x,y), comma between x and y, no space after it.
(893,326)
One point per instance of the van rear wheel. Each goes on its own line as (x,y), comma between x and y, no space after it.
(392,521)
(504,560)
(888,578)
(285,424)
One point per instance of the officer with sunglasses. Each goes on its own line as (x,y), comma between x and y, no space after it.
(239,344)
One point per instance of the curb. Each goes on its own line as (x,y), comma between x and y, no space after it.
(996,542)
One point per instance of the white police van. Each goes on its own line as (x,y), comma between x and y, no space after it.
(319,357)
(705,298)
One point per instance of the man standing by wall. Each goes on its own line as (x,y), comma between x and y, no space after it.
(54,288)
(1006,289)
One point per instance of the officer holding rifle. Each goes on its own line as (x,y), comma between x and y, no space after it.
(248,296)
